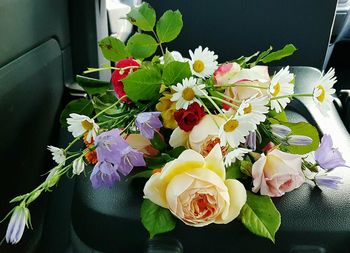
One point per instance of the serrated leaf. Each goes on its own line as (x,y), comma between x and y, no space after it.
(281,116)
(168,57)
(263,54)
(169,26)
(142,45)
(143,84)
(176,152)
(113,49)
(143,16)
(260,216)
(92,86)
(288,50)
(81,106)
(157,162)
(156,219)
(175,72)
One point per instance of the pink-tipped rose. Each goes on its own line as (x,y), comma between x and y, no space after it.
(277,173)
(232,73)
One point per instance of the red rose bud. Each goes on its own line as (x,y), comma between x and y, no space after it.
(187,119)
(119,75)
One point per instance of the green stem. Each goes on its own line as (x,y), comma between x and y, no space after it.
(294,95)
(92,70)
(160,43)
(211,115)
(72,143)
(225,102)
(243,85)
(227,97)
(109,107)
(213,103)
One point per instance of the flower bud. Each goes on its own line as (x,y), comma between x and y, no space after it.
(78,166)
(15,229)
(280,130)
(299,140)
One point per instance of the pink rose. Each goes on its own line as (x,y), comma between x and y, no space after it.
(232,73)
(276,173)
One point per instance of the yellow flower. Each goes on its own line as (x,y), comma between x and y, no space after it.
(195,189)
(167,108)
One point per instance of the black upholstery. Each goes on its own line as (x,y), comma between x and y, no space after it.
(34,38)
(242,27)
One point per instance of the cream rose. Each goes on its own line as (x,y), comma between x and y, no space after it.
(140,143)
(194,189)
(202,138)
(276,173)
(232,73)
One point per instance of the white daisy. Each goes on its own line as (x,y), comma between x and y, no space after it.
(58,155)
(234,130)
(203,62)
(185,93)
(323,90)
(281,85)
(254,109)
(78,166)
(80,124)
(237,153)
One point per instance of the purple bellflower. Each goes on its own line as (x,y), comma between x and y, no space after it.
(327,156)
(147,123)
(115,157)
(251,141)
(18,221)
(328,181)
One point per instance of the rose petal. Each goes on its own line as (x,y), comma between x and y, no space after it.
(155,189)
(209,125)
(178,138)
(215,162)
(238,197)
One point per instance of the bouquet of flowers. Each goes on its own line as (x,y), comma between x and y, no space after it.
(212,140)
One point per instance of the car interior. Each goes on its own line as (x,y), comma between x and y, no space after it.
(46,43)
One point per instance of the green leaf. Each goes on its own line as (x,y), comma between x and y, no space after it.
(144,17)
(306,129)
(176,152)
(260,216)
(113,49)
(157,142)
(157,162)
(143,84)
(93,86)
(233,171)
(281,116)
(142,45)
(169,26)
(263,54)
(288,50)
(175,72)
(142,174)
(156,219)
(81,106)
(168,57)
(246,167)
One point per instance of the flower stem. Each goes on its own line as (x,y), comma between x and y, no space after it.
(160,43)
(213,103)
(227,97)
(109,107)
(243,85)
(294,95)
(92,70)
(225,102)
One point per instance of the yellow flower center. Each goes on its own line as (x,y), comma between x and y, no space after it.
(198,66)
(276,90)
(322,96)
(231,125)
(87,125)
(248,109)
(188,94)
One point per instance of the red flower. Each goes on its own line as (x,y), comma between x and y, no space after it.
(187,119)
(119,75)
